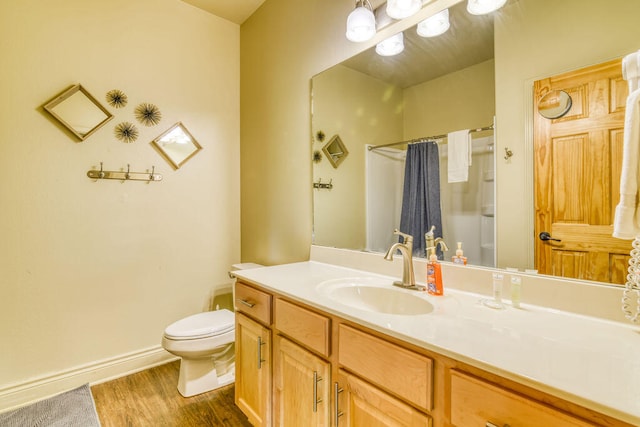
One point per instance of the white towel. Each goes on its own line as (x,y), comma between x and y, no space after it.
(459,155)
(626,224)
(631,70)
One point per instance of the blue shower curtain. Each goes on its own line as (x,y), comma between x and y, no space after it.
(421,194)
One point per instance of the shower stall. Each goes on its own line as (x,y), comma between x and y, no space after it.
(467,207)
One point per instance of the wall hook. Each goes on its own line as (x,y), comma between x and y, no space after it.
(123,176)
(507,153)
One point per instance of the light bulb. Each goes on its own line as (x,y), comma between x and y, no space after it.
(400,9)
(361,25)
(482,7)
(434,25)
(391,46)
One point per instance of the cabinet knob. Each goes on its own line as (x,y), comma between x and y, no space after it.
(490,424)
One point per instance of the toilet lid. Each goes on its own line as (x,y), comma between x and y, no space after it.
(201,325)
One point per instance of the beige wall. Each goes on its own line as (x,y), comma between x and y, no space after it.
(460,100)
(361,110)
(534,38)
(94,270)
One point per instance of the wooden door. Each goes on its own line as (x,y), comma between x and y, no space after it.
(361,404)
(578,160)
(302,383)
(253,371)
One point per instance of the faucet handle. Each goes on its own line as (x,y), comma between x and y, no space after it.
(408,238)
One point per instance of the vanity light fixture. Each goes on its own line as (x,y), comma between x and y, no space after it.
(361,22)
(400,9)
(391,46)
(434,25)
(482,7)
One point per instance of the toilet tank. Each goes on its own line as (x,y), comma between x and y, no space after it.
(223,296)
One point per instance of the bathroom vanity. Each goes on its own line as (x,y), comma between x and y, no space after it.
(319,344)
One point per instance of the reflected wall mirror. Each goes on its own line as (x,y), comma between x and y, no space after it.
(335,150)
(528,47)
(435,86)
(176,145)
(78,111)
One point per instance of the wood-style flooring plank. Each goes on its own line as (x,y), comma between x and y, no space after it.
(150,398)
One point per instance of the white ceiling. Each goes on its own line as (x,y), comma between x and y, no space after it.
(233,10)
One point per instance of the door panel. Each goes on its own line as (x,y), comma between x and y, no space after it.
(578,160)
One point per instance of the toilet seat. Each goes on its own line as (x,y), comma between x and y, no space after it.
(201,325)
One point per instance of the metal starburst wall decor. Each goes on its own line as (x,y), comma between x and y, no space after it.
(148,114)
(117,98)
(126,132)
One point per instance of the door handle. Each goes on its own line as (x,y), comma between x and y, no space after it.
(544,236)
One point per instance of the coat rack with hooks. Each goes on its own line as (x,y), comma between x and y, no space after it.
(125,175)
(323,186)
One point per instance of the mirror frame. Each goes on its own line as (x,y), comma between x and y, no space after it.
(554,104)
(336,151)
(50,108)
(167,155)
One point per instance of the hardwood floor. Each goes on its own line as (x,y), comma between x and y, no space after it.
(150,398)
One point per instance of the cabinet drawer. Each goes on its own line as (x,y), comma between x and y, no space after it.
(302,325)
(477,402)
(398,370)
(253,302)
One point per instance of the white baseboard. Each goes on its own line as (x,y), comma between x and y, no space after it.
(23,393)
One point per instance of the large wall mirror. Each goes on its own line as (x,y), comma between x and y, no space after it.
(78,111)
(484,66)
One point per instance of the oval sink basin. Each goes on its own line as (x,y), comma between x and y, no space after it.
(375,295)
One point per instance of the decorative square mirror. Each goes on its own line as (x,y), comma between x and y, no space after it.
(176,145)
(78,111)
(335,150)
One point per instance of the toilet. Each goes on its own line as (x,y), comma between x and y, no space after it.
(205,344)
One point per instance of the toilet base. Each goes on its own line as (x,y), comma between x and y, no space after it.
(200,376)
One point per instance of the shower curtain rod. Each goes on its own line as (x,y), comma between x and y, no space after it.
(426,138)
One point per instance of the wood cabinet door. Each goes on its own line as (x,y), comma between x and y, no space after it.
(253,370)
(577,167)
(302,384)
(360,404)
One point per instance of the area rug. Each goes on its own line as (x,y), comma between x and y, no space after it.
(74,408)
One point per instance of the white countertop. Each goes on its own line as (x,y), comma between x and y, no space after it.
(588,361)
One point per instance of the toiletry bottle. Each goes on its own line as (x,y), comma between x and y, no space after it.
(459,258)
(496,301)
(516,289)
(434,274)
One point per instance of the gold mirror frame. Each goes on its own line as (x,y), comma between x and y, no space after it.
(176,145)
(335,150)
(78,111)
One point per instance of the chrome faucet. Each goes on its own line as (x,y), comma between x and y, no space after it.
(432,242)
(406,249)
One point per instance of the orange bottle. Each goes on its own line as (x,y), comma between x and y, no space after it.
(434,275)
